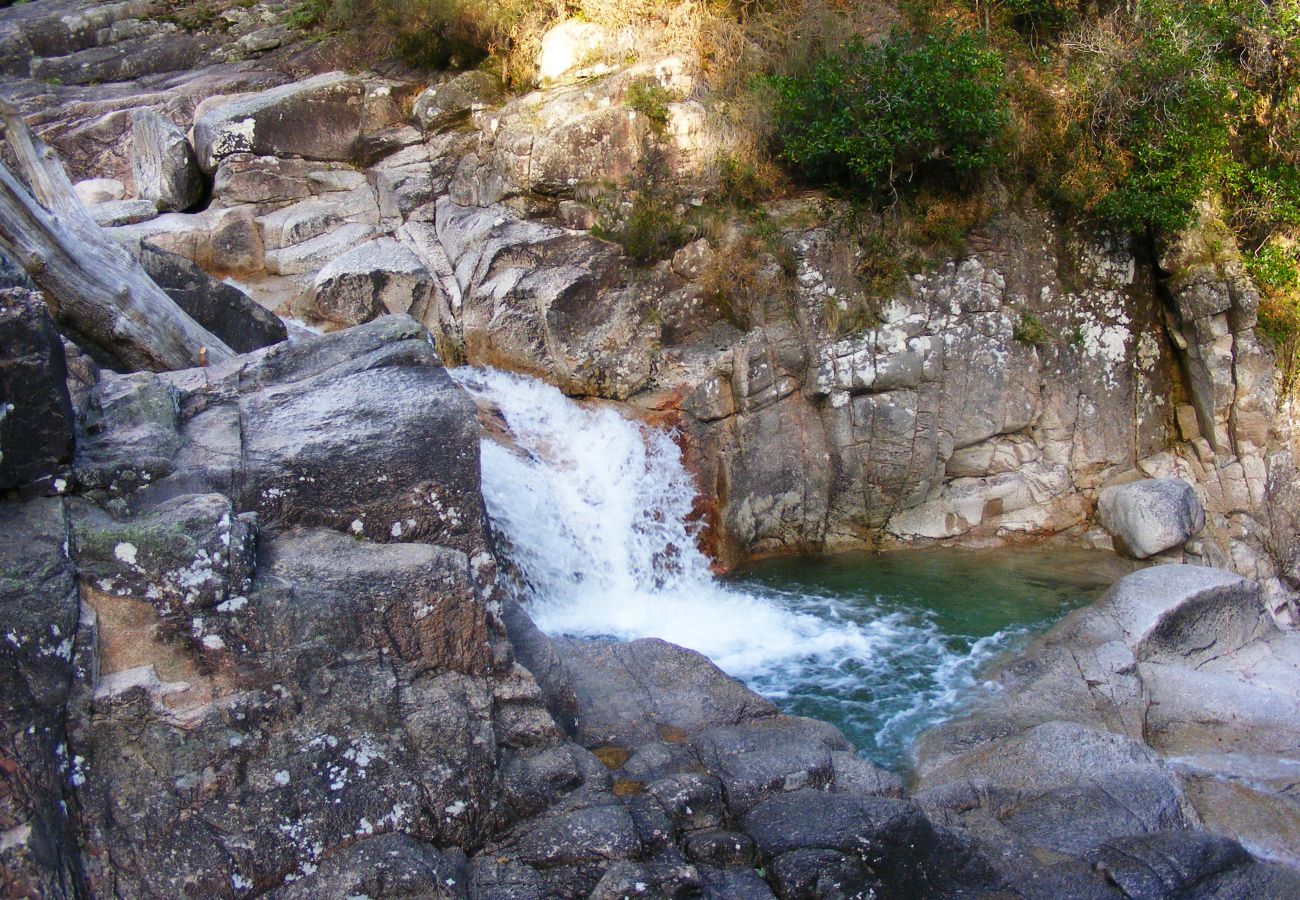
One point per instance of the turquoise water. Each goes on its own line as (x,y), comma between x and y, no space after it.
(939,619)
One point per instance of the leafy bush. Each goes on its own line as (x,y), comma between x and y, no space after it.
(873,114)
(650,230)
(648,97)
(1183,98)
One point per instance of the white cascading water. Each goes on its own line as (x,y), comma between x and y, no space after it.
(594,508)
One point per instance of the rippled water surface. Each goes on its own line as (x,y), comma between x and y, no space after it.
(939,617)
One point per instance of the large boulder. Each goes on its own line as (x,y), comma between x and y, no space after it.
(321,118)
(166,172)
(453,100)
(36,422)
(1148,517)
(1167,705)
(375,279)
(221,308)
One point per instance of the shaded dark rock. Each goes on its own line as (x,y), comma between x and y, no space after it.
(741,883)
(451,101)
(221,308)
(383,867)
(812,874)
(765,757)
(667,875)
(1166,864)
(38,624)
(131,433)
(894,840)
(1079,817)
(36,421)
(723,849)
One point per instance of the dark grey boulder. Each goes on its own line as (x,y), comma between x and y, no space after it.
(36,420)
(13,275)
(221,308)
(716,847)
(760,758)
(1079,817)
(822,875)
(893,839)
(131,433)
(384,867)
(318,118)
(737,883)
(1166,863)
(667,875)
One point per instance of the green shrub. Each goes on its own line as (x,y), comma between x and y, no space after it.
(648,97)
(650,230)
(871,115)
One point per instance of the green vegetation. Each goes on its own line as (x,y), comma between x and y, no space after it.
(1029,329)
(650,99)
(874,114)
(650,230)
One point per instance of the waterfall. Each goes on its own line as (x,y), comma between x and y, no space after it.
(593,509)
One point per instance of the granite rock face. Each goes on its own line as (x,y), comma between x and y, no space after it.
(1137,715)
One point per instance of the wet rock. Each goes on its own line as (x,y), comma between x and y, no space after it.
(1147,517)
(371,280)
(219,307)
(166,172)
(686,692)
(36,419)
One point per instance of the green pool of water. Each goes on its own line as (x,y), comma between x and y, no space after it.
(932,621)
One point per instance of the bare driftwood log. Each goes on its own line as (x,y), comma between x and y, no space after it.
(91,283)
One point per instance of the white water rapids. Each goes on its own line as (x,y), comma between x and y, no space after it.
(593,508)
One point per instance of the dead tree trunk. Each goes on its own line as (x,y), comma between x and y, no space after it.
(90,282)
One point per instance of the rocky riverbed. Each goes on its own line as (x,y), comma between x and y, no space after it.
(259,638)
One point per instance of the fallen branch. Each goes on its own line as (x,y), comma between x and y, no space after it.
(91,283)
